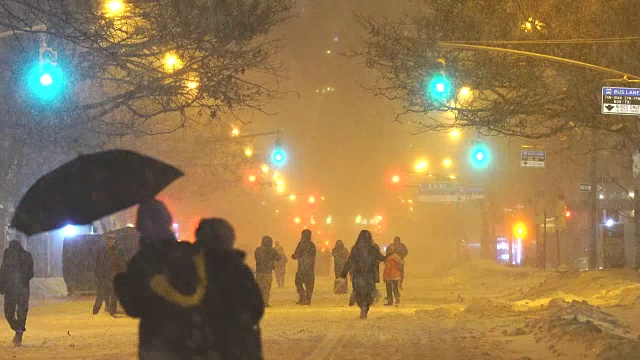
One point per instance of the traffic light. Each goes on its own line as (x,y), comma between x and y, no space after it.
(520,230)
(480,156)
(439,86)
(561,213)
(46,80)
(278,156)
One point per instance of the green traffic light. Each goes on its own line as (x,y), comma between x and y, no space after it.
(439,88)
(480,156)
(45,81)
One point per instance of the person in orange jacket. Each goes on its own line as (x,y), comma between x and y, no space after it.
(392,275)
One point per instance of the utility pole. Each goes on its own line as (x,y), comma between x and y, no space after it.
(593,238)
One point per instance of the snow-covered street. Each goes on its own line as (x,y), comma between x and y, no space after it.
(477,311)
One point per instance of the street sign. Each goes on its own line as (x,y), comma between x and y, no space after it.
(436,186)
(532,158)
(584,187)
(448,192)
(620,101)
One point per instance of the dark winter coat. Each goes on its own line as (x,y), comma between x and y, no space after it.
(266,257)
(340,257)
(401,249)
(104,263)
(234,306)
(168,329)
(363,263)
(306,255)
(16,270)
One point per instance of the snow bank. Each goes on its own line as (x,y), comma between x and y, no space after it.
(578,327)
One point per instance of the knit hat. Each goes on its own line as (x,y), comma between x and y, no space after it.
(154,221)
(215,233)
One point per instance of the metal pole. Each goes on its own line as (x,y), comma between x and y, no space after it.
(557,245)
(537,55)
(593,238)
(636,222)
(544,250)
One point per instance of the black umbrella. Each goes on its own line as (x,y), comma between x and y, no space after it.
(91,187)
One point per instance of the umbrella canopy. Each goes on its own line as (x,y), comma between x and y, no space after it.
(91,187)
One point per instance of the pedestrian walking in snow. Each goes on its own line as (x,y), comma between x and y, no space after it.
(402,250)
(233,302)
(305,254)
(266,259)
(15,273)
(164,286)
(392,275)
(104,272)
(340,256)
(281,265)
(362,263)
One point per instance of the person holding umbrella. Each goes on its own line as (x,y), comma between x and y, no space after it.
(15,273)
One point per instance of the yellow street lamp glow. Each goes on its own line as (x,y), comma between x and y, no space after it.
(276,175)
(235,132)
(465,91)
(280,182)
(248,152)
(171,62)
(358,219)
(296,220)
(192,85)
(312,199)
(395,179)
(329,220)
(114,7)
(420,165)
(265,168)
(280,188)
(447,163)
(322,198)
(292,197)
(454,134)
(452,177)
(410,201)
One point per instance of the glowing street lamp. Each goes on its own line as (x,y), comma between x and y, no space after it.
(329,220)
(454,134)
(420,166)
(113,8)
(297,220)
(292,197)
(252,178)
(395,179)
(465,92)
(235,132)
(447,163)
(248,152)
(312,199)
(265,168)
(171,62)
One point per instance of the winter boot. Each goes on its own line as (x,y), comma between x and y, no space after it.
(397,302)
(364,312)
(17,339)
(389,303)
(352,299)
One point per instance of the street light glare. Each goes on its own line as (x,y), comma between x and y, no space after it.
(447,163)
(114,7)
(265,168)
(235,132)
(312,199)
(480,156)
(46,79)
(252,178)
(420,166)
(292,197)
(395,179)
(465,91)
(248,152)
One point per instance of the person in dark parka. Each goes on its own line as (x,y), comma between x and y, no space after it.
(340,256)
(362,264)
(164,285)
(281,265)
(104,272)
(266,259)
(305,254)
(15,273)
(233,299)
